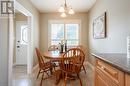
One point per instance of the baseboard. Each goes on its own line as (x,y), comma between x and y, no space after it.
(35,67)
(90,65)
(14,64)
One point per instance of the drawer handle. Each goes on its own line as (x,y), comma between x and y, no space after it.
(102,67)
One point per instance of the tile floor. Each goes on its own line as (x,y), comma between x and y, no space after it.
(20,78)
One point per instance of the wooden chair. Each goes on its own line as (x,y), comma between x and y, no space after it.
(84,49)
(53,48)
(71,63)
(44,67)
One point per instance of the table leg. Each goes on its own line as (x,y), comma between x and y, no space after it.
(58,76)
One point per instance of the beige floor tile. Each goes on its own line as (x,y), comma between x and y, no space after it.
(20,78)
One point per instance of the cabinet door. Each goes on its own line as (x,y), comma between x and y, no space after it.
(110,75)
(100,81)
(127,80)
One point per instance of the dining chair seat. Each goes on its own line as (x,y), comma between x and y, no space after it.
(47,65)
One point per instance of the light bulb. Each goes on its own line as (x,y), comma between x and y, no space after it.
(63,15)
(61,9)
(71,11)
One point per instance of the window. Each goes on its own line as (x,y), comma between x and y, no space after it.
(67,30)
(57,33)
(24,34)
(72,34)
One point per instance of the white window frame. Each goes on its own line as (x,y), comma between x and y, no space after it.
(75,21)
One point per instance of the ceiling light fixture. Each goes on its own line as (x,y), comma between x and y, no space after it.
(65,9)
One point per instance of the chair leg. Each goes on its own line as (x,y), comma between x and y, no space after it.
(54,68)
(79,80)
(63,74)
(51,70)
(42,79)
(38,73)
(84,69)
(65,79)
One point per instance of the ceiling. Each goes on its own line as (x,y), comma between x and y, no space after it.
(46,6)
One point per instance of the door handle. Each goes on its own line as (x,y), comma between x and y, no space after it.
(18,46)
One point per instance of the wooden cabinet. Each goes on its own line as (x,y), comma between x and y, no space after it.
(127,80)
(100,79)
(106,75)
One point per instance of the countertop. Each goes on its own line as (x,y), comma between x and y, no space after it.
(119,61)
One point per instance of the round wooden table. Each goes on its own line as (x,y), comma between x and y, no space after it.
(53,55)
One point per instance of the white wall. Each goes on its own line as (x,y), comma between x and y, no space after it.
(3,51)
(118,26)
(27,4)
(45,17)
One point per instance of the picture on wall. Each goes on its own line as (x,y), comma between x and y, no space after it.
(99,27)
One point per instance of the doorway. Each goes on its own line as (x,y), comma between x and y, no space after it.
(25,39)
(12,41)
(21,41)
(21,45)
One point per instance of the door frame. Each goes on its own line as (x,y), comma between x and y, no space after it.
(30,21)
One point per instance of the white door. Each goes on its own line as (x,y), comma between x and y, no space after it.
(21,42)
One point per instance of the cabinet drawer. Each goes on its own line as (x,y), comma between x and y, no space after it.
(114,74)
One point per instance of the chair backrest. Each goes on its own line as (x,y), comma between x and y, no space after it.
(53,48)
(83,48)
(73,60)
(40,58)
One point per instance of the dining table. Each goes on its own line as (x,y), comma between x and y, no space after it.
(53,55)
(57,56)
